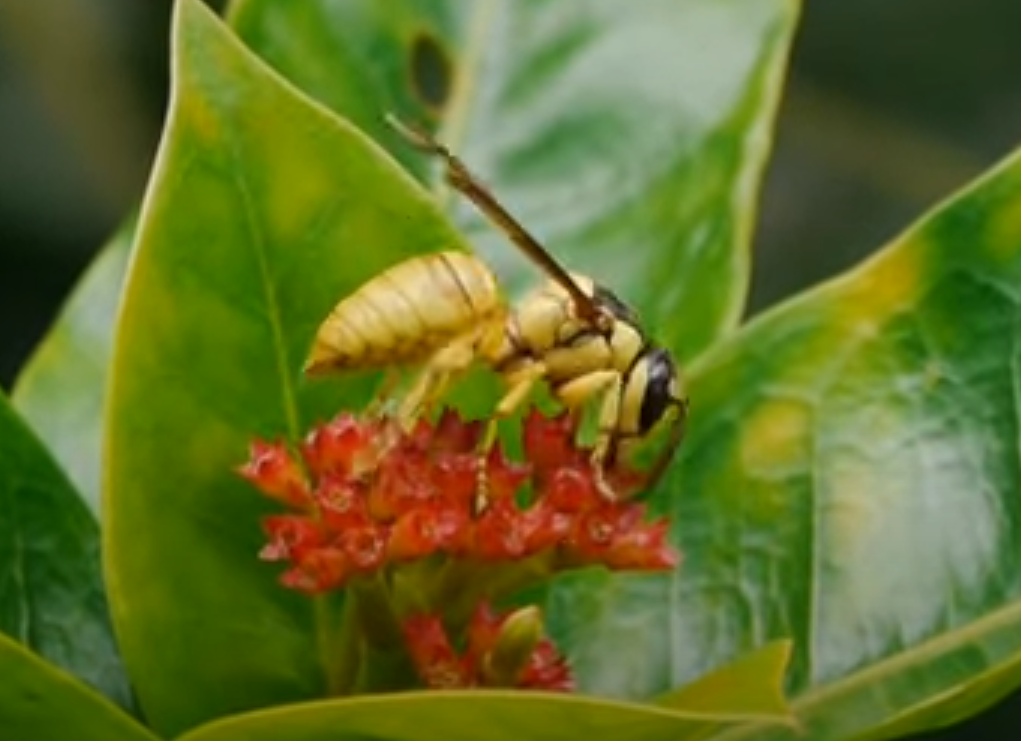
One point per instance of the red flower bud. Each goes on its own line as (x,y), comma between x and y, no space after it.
(364,546)
(290,536)
(549,442)
(272,470)
(316,571)
(435,660)
(346,445)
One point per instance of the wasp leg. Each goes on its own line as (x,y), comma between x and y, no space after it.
(444,365)
(383,400)
(521,384)
(574,394)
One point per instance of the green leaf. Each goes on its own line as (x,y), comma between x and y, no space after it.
(490,716)
(630,141)
(264,209)
(51,593)
(851,482)
(751,685)
(42,703)
(62,388)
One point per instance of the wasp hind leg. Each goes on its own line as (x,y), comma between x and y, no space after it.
(383,400)
(442,367)
(607,384)
(521,385)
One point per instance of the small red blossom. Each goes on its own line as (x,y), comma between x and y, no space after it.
(503,650)
(435,660)
(291,536)
(271,468)
(376,497)
(317,570)
(346,445)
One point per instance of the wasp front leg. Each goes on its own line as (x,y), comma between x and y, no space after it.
(606,384)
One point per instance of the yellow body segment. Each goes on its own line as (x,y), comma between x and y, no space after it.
(407,313)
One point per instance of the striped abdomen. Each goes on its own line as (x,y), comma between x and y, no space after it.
(406,313)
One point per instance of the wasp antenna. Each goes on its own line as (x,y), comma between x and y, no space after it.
(460,178)
(416,136)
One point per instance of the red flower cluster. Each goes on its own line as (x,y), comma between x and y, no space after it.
(371,495)
(375,496)
(505,650)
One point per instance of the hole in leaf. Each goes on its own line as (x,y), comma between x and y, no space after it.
(431,71)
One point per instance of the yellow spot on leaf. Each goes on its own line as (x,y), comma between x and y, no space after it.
(888,284)
(775,437)
(1002,241)
(202,129)
(301,188)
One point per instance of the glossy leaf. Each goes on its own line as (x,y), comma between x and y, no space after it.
(62,388)
(850,482)
(751,685)
(631,141)
(490,716)
(42,703)
(51,593)
(263,210)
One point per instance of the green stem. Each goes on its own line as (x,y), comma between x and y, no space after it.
(383,663)
(461,584)
(341,680)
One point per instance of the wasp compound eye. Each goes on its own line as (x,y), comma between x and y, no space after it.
(659,389)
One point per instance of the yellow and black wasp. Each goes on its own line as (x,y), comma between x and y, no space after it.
(445,311)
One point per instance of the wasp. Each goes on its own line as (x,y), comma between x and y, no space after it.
(445,311)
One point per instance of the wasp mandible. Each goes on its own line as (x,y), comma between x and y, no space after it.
(444,311)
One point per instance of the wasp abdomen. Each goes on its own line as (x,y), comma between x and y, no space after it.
(405,313)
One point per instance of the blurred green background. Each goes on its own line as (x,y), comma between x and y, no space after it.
(890,106)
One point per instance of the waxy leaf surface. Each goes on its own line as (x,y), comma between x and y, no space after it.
(42,703)
(850,482)
(51,593)
(479,715)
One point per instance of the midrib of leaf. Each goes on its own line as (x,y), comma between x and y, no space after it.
(290,405)
(927,650)
(452,130)
(323,617)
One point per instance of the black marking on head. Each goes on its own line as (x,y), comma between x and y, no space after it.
(604,298)
(657,398)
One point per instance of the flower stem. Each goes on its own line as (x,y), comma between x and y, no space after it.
(342,678)
(461,584)
(383,661)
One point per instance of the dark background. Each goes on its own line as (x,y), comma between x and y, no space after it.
(890,107)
